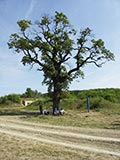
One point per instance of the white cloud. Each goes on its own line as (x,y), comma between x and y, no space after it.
(31,8)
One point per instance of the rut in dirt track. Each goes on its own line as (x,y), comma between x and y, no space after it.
(65,136)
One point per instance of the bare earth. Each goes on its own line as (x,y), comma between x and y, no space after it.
(101,143)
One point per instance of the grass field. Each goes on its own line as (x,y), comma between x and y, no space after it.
(25,140)
(13,148)
(108,119)
(80,119)
(20,148)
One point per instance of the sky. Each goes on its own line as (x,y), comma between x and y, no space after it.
(102,16)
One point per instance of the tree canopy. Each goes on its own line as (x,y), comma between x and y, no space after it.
(31,93)
(58,50)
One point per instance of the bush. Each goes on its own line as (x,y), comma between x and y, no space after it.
(9,99)
(100,103)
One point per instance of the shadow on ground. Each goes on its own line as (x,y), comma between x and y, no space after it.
(116,125)
(18,113)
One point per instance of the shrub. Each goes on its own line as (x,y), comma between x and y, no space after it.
(9,99)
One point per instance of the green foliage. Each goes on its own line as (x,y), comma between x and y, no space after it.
(9,99)
(52,44)
(24,24)
(31,94)
(100,99)
(110,94)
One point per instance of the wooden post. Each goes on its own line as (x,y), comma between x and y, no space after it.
(88,104)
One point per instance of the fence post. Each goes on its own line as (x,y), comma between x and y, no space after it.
(88,104)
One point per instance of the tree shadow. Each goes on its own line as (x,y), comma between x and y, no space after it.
(19,113)
(116,125)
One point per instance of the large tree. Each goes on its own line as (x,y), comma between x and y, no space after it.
(59,51)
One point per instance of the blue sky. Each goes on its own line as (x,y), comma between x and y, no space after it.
(102,16)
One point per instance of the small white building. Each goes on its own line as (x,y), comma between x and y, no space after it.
(26,102)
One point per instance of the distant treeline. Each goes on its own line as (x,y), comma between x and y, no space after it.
(108,94)
(16,98)
(9,99)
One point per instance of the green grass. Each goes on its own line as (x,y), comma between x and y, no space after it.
(104,114)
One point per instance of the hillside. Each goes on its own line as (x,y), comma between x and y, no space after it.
(110,94)
(100,99)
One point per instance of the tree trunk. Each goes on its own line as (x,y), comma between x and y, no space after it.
(57,89)
(56,104)
(56,97)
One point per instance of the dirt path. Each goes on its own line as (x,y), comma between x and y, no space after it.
(93,140)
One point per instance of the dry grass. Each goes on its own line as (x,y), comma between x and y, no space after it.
(13,148)
(81,119)
(16,148)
